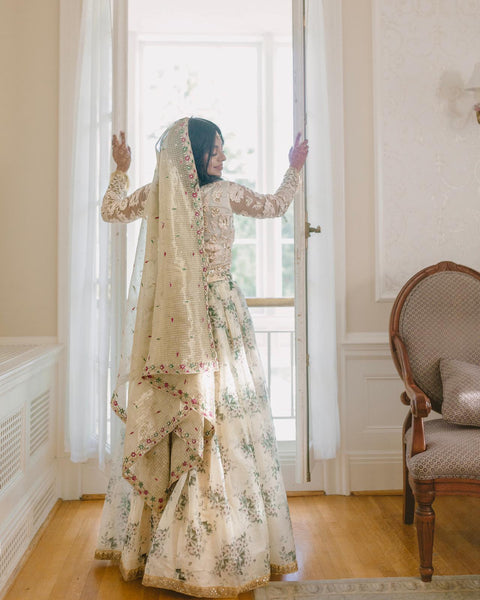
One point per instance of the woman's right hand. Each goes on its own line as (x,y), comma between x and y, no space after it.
(298,153)
(122,154)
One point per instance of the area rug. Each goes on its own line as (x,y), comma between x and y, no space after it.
(461,587)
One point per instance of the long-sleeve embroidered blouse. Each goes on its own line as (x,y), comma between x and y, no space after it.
(221,200)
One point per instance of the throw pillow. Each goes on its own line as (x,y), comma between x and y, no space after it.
(461,392)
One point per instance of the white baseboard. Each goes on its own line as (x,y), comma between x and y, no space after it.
(375,471)
(77,479)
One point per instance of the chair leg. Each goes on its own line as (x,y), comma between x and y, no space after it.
(425,521)
(408,497)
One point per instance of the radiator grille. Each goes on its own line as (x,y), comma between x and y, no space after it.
(12,548)
(42,506)
(10,448)
(39,421)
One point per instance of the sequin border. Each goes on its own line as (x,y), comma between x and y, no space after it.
(175,585)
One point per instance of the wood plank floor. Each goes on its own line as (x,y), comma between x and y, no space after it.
(337,537)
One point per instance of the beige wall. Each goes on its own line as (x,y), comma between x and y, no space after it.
(363,313)
(28,164)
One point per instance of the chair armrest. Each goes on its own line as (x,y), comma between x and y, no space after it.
(420,404)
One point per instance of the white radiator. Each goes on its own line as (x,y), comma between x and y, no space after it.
(28,482)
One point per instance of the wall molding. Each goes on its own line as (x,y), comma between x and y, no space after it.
(365,343)
(371,415)
(374,456)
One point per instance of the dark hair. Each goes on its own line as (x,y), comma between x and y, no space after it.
(202,134)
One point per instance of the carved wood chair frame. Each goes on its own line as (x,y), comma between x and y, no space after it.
(418,495)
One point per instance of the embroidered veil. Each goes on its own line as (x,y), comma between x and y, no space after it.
(170,366)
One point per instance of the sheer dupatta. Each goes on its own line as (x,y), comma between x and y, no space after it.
(171,410)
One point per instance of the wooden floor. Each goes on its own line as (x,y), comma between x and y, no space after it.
(337,537)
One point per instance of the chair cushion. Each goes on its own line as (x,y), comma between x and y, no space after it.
(453,451)
(461,392)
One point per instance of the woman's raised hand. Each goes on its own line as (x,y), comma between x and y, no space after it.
(122,154)
(298,154)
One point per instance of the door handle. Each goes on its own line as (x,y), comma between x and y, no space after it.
(309,229)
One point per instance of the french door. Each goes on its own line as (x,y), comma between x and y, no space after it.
(248,75)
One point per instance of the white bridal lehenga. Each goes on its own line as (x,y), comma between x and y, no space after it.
(200,507)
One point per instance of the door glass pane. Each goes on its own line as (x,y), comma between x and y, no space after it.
(288,282)
(177,79)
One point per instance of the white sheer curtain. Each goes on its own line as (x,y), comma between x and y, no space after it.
(322,339)
(89,293)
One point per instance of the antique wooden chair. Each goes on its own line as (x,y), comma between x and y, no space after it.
(435,345)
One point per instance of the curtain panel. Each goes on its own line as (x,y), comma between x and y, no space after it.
(322,335)
(89,268)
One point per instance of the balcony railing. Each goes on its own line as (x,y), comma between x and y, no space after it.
(275,334)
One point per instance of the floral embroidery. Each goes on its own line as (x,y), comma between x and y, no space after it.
(117,206)
(218,500)
(269,442)
(224,456)
(250,506)
(194,539)
(180,508)
(159,540)
(270,496)
(230,405)
(233,558)
(286,553)
(247,448)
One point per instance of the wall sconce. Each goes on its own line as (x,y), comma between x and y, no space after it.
(473,85)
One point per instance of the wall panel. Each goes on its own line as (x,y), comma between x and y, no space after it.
(426,144)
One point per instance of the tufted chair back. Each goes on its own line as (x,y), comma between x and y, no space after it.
(440,318)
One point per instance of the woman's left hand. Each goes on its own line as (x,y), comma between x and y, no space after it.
(298,154)
(121,152)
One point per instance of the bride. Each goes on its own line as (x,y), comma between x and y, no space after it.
(196,501)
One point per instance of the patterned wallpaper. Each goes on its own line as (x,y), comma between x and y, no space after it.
(427,138)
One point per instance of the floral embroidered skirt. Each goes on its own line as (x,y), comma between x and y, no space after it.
(226,525)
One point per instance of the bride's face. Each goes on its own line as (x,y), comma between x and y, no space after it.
(215,164)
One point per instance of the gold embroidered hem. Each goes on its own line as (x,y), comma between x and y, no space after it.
(114,555)
(202,592)
(130,575)
(284,569)
(185,588)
